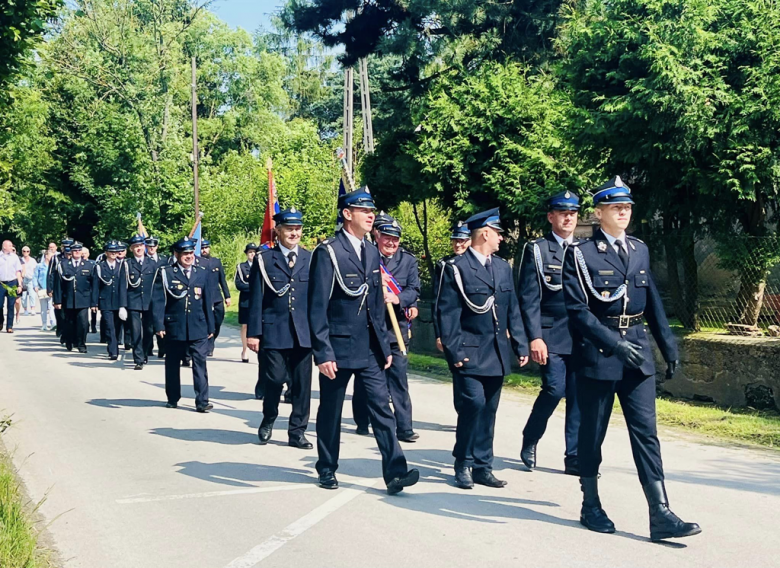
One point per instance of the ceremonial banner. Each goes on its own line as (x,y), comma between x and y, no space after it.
(267,235)
(339,218)
(196,236)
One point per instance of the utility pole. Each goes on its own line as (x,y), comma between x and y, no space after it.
(365,104)
(195,149)
(349,92)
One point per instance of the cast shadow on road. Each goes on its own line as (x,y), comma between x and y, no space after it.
(238,474)
(213,435)
(736,474)
(125,402)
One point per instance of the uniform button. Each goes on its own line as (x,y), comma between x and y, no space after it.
(292,298)
(601,351)
(293,309)
(292,279)
(623,332)
(606,282)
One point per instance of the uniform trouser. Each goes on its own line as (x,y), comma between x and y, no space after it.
(110,324)
(102,328)
(59,321)
(636,393)
(332,394)
(141,334)
(277,365)
(176,351)
(124,333)
(160,346)
(93,321)
(557,381)
(479,398)
(76,327)
(219,317)
(398,386)
(8,301)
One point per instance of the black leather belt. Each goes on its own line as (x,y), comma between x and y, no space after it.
(623,322)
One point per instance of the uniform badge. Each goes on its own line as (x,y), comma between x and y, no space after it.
(292,210)
(181,286)
(618,181)
(567,195)
(602,246)
(548,278)
(605,294)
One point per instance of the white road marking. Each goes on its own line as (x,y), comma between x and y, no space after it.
(297,528)
(244,491)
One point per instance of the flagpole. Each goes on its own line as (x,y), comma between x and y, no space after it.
(195,149)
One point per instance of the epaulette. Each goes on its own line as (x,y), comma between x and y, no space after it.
(631,238)
(265,251)
(403,250)
(539,241)
(496,257)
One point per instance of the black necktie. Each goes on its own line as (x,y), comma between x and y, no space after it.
(363,253)
(489,266)
(622,253)
(291,259)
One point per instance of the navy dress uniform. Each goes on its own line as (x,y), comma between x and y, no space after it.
(278,315)
(73,291)
(544,315)
(613,307)
(219,288)
(459,232)
(182,308)
(403,267)
(50,281)
(107,298)
(136,296)
(241,282)
(481,326)
(347,321)
(159,260)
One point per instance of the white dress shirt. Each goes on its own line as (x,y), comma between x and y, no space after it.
(286,252)
(569,240)
(356,242)
(480,257)
(186,271)
(612,240)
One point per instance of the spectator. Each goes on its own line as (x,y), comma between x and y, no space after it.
(47,306)
(10,283)
(28,277)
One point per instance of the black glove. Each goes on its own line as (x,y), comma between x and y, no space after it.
(671,367)
(628,354)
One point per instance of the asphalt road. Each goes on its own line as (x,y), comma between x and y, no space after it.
(128,483)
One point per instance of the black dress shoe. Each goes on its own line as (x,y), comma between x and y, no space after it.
(463,477)
(138,367)
(82,349)
(592,516)
(265,431)
(245,360)
(171,405)
(112,357)
(528,455)
(571,466)
(205,408)
(211,354)
(185,363)
(128,347)
(663,523)
(69,347)
(300,442)
(409,436)
(328,480)
(408,479)
(486,478)
(146,361)
(362,431)
(287,398)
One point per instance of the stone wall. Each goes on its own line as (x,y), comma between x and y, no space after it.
(728,370)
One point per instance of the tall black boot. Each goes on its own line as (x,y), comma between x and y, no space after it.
(592,515)
(663,523)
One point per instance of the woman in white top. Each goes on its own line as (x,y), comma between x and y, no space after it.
(29,296)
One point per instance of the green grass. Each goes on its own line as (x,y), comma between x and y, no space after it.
(741,425)
(18,536)
(231,313)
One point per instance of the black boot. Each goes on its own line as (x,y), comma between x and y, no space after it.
(265,431)
(663,523)
(592,515)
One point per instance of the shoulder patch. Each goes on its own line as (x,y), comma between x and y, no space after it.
(496,257)
(539,241)
(630,238)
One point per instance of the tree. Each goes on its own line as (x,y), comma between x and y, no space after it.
(476,154)
(683,98)
(22,25)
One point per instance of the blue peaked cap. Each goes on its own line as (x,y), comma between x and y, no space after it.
(289,216)
(361,197)
(392,228)
(460,231)
(564,201)
(489,218)
(614,191)
(137,240)
(185,245)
